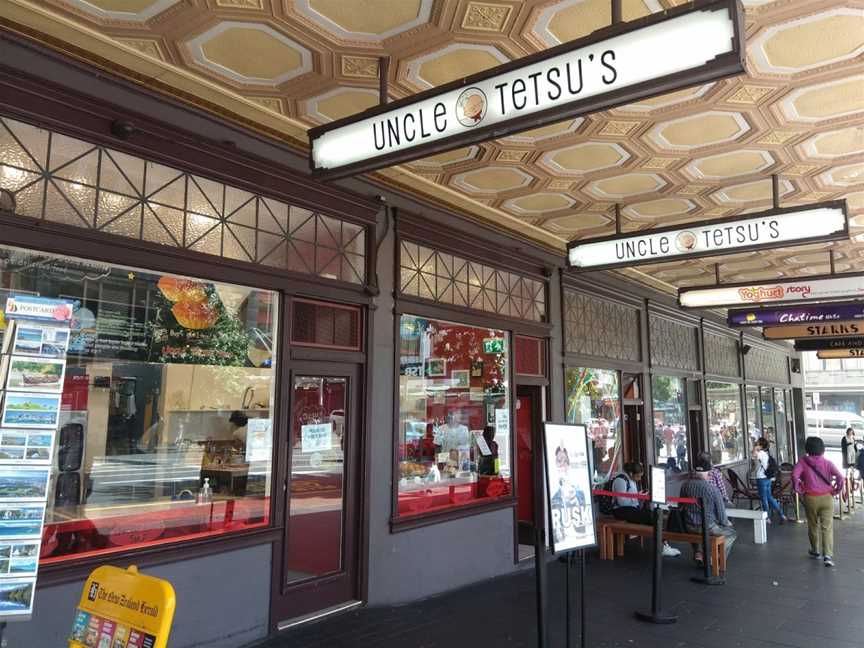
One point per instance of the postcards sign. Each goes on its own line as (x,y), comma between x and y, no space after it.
(826,344)
(819,288)
(800,315)
(787,226)
(670,50)
(41,309)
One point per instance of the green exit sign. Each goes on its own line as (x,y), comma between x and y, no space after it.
(493,345)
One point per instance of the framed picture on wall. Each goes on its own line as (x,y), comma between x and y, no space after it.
(436,367)
(461,378)
(568,485)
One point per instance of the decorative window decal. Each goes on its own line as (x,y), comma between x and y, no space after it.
(57,178)
(449,279)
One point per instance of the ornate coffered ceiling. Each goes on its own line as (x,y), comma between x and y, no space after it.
(700,153)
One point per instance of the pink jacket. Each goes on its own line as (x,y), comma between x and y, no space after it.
(813,476)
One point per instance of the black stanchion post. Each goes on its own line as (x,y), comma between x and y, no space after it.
(707,578)
(656,615)
(568,631)
(583,631)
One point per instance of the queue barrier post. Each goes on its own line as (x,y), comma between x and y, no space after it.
(656,615)
(707,578)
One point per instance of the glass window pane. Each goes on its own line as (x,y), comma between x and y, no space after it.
(725,426)
(168,385)
(454,415)
(593,400)
(317,481)
(768,429)
(753,404)
(670,422)
(782,447)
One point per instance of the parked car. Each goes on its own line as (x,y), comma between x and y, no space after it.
(831,426)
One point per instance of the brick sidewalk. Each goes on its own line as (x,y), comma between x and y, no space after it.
(775,597)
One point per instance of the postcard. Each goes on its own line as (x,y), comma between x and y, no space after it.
(26,446)
(16,596)
(36,374)
(21,521)
(50,341)
(23,482)
(27,410)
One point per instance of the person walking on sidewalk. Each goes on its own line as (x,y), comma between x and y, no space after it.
(699,485)
(818,480)
(766,472)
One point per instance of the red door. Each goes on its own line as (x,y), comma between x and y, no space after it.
(527,433)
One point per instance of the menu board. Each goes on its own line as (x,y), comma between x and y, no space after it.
(32,371)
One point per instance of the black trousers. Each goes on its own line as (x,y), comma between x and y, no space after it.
(634,515)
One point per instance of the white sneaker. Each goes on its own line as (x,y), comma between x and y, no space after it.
(670,551)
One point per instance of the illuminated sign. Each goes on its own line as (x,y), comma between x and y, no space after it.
(799,315)
(835,354)
(832,329)
(825,344)
(786,226)
(493,345)
(817,288)
(667,51)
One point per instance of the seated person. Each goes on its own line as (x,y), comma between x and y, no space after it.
(699,485)
(714,475)
(630,509)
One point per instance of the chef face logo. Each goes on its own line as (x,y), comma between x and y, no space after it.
(685,241)
(471,107)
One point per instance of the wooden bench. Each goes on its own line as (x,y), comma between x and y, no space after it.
(612,533)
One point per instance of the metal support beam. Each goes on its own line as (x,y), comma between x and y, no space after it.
(383,71)
(616,12)
(717,273)
(831,262)
(775,190)
(617,218)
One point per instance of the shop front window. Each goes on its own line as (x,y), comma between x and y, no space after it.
(670,422)
(168,386)
(768,429)
(753,404)
(593,400)
(454,415)
(782,447)
(725,427)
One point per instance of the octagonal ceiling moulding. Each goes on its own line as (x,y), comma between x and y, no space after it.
(565,21)
(492,180)
(665,101)
(824,101)
(448,158)
(580,159)
(844,176)
(730,165)
(700,130)
(136,11)
(544,133)
(340,102)
(623,186)
(660,209)
(802,44)
(538,204)
(836,143)
(749,192)
(583,224)
(250,53)
(452,62)
(369,21)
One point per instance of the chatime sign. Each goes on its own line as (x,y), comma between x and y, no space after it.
(785,226)
(822,313)
(833,329)
(666,51)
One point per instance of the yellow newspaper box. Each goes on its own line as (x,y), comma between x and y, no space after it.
(120,608)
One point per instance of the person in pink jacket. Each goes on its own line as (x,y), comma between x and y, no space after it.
(818,480)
